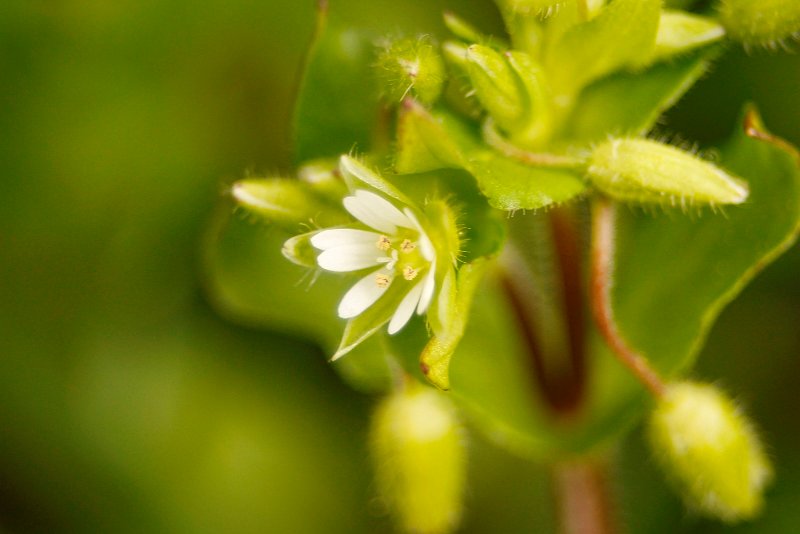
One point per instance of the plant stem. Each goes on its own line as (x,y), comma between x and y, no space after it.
(582,498)
(604,216)
(538,159)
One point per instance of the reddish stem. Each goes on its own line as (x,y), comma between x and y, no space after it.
(582,496)
(604,215)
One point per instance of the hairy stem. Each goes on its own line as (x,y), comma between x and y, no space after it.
(604,217)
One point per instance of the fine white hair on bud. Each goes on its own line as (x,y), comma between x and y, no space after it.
(709,449)
(419,455)
(411,67)
(648,172)
(760,22)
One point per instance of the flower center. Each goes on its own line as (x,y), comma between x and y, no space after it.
(407,252)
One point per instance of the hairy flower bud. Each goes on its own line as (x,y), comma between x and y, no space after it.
(760,22)
(419,459)
(411,67)
(644,171)
(279,200)
(511,88)
(708,447)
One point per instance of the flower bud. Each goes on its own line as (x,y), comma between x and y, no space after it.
(279,200)
(710,450)
(411,67)
(419,456)
(644,171)
(511,88)
(760,22)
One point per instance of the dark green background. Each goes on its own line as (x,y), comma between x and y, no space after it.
(126,404)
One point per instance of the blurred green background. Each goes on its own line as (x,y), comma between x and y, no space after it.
(127,404)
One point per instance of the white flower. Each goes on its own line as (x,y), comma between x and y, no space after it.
(396,249)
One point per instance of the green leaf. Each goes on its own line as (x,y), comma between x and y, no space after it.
(431,137)
(337,103)
(675,274)
(510,185)
(621,36)
(605,107)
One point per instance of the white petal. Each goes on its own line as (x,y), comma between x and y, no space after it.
(343,236)
(361,296)
(363,213)
(384,208)
(376,212)
(427,291)
(425,245)
(406,309)
(348,258)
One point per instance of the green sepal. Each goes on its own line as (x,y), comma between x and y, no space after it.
(497,86)
(435,358)
(357,175)
(621,36)
(372,319)
(537,121)
(680,32)
(298,250)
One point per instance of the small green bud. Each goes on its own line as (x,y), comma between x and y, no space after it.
(496,85)
(416,444)
(760,22)
(279,200)
(300,251)
(411,67)
(647,172)
(511,87)
(709,448)
(680,32)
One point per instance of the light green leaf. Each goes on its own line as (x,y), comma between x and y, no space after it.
(605,107)
(337,103)
(510,185)
(621,36)
(674,274)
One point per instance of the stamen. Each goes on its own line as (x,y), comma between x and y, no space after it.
(382,280)
(384,243)
(407,246)
(409,273)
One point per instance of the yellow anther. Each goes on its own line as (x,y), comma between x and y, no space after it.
(409,273)
(382,280)
(383,243)
(407,246)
